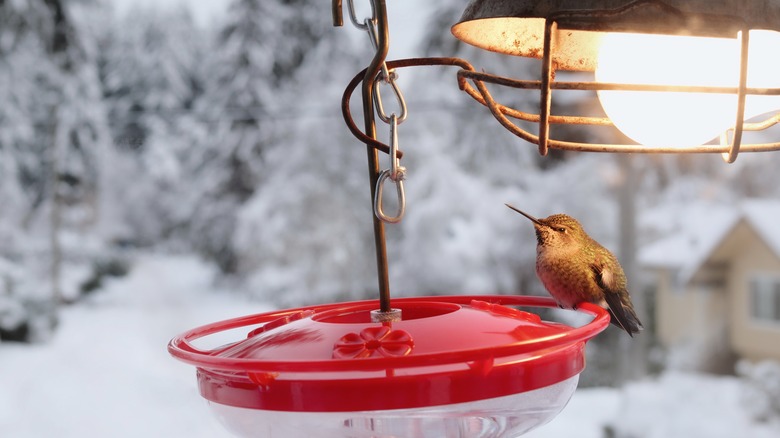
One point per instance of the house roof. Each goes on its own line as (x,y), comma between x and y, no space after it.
(693,232)
(764,216)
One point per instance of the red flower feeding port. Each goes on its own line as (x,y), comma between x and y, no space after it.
(454,366)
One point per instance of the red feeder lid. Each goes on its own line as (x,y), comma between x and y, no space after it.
(444,350)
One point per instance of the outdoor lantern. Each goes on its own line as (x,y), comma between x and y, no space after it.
(670,74)
(453,366)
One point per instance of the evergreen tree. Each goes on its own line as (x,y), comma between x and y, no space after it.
(53,125)
(305,235)
(256,54)
(151,77)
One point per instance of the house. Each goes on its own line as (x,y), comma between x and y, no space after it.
(717,283)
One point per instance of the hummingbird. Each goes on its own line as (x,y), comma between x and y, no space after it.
(574,268)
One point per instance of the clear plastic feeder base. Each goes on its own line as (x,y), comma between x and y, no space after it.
(501,417)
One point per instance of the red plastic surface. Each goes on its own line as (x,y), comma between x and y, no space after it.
(447,349)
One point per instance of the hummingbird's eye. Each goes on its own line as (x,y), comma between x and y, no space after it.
(561,229)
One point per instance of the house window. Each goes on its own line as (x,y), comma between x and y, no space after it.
(765,299)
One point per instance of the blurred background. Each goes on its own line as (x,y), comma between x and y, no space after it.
(169,164)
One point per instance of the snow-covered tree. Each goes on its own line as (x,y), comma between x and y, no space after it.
(53,130)
(304,234)
(152,76)
(247,101)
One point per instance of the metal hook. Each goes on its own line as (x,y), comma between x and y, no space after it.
(373,34)
(336,11)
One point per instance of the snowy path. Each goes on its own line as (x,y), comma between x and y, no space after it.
(107,372)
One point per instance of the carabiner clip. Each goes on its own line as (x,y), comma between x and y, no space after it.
(396,173)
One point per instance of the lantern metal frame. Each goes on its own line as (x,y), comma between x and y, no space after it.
(693,17)
(618,15)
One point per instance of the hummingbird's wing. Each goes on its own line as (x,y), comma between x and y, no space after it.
(616,296)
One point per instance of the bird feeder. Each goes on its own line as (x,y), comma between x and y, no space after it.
(454,366)
(474,366)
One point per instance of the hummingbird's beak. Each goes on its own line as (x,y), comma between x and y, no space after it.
(533,219)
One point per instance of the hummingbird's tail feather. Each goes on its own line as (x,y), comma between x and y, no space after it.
(622,314)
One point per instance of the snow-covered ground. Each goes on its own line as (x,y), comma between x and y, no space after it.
(673,405)
(106,372)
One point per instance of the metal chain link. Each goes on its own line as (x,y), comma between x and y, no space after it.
(353,16)
(396,173)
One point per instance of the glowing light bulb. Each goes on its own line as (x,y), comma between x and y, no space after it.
(685,119)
